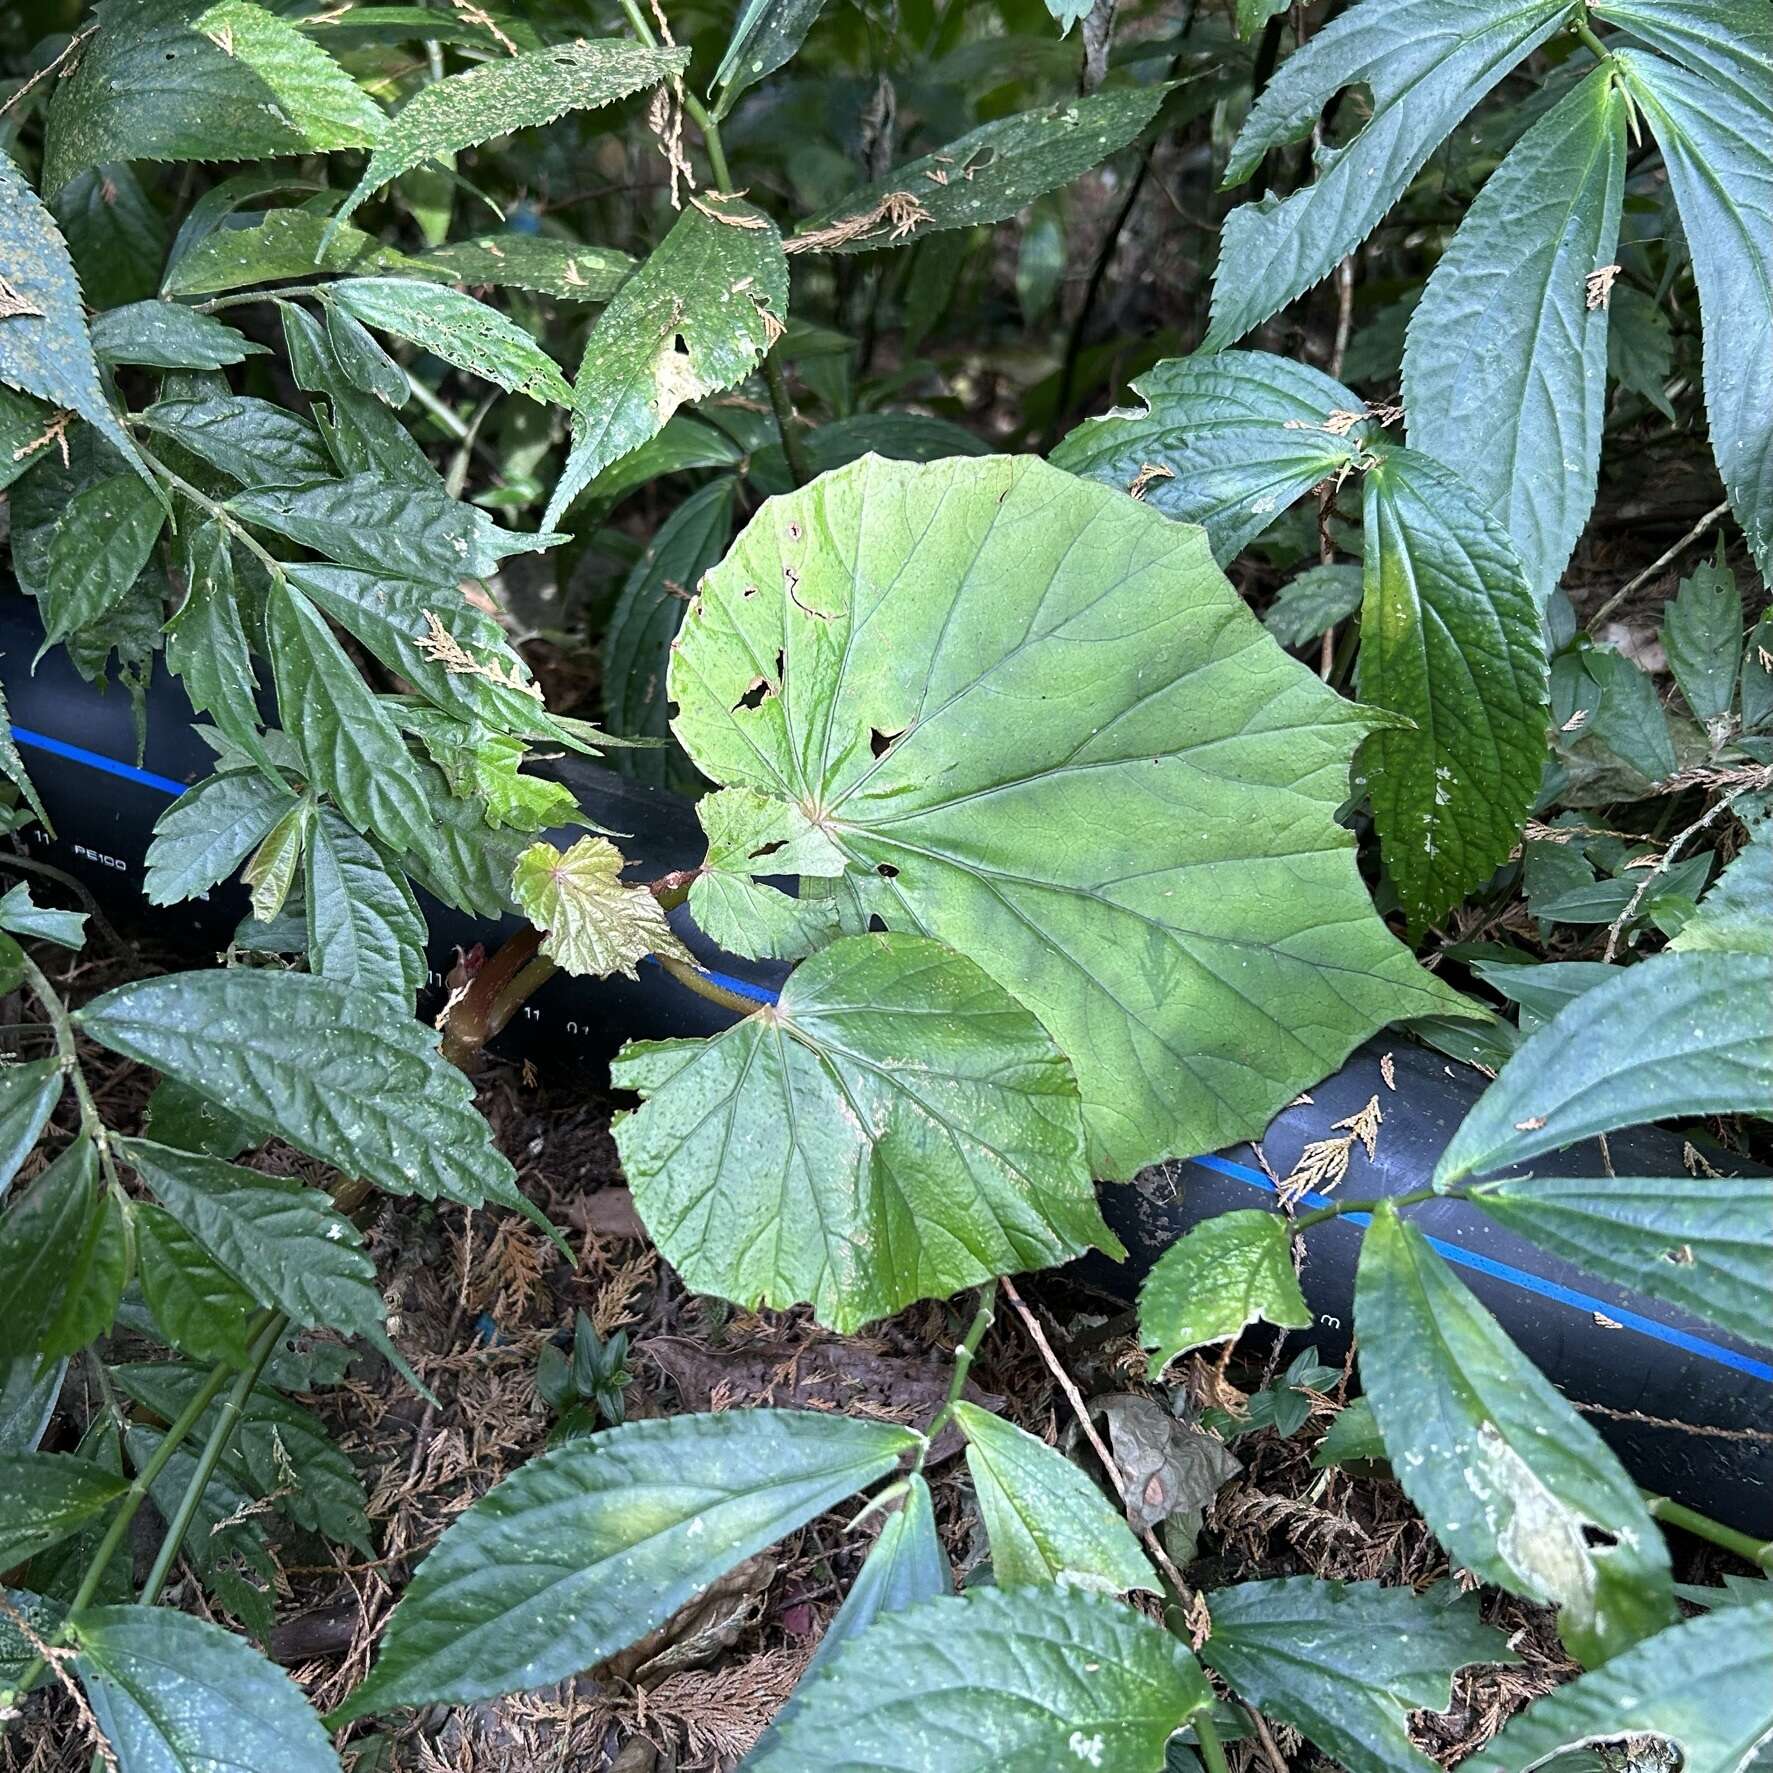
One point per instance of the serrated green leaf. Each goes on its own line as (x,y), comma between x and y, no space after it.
(748,918)
(1640,346)
(366,366)
(277,1449)
(188,1121)
(698,316)
(254,441)
(587,1548)
(165,336)
(116,234)
(45,1242)
(365,930)
(368,26)
(766,35)
(40,923)
(596,924)
(512,92)
(45,348)
(101,544)
(560,268)
(1703,1243)
(46,1496)
(1046,1521)
(29,1392)
(456,328)
(1702,634)
(1312,602)
(1705,1685)
(895,1128)
(1726,41)
(1737,912)
(196,80)
(1424,69)
(1503,1469)
(270,869)
(28,1095)
(485,768)
(987,174)
(169,1691)
(197,1305)
(312,1062)
(1343,1663)
(644,622)
(1228,442)
(1074,712)
(1505,365)
(1717,144)
(24,435)
(1029,1679)
(1627,720)
(277,246)
(1352,1436)
(279,1238)
(208,832)
(41,1619)
(12,765)
(1680,1034)
(1450,639)
(1216,1280)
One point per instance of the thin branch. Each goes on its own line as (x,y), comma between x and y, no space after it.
(1600,615)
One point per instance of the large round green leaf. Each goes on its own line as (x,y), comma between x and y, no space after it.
(1042,727)
(896,1128)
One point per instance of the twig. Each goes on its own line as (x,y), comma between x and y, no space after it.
(1270,1748)
(43,73)
(1344,315)
(1600,615)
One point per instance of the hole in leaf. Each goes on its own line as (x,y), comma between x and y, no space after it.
(886,871)
(765,849)
(881,743)
(1597,1537)
(678,346)
(754,696)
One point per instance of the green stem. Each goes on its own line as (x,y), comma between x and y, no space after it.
(1337,1209)
(1758,1552)
(699,111)
(963,1365)
(799,469)
(91,1124)
(1600,51)
(227,1420)
(133,1498)
(1212,1750)
(698,981)
(220,512)
(246,297)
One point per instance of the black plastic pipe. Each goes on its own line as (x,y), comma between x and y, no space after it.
(1688,1407)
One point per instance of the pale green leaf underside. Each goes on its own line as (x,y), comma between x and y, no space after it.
(1046,1521)
(1705,1685)
(1425,66)
(1218,1279)
(587,1548)
(1451,639)
(1505,367)
(1502,1468)
(1345,1662)
(895,1128)
(1104,782)
(1680,1034)
(1703,1243)
(1717,143)
(995,1681)
(186,80)
(698,316)
(986,175)
(1228,442)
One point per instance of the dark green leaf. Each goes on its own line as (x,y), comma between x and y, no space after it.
(192,80)
(1343,1663)
(312,1062)
(40,923)
(41,1240)
(116,234)
(560,268)
(1627,719)
(1705,1685)
(45,348)
(1681,1034)
(1729,42)
(1451,640)
(1354,1435)
(18,1646)
(987,174)
(24,435)
(254,441)
(171,1693)
(100,547)
(457,329)
(1313,602)
(1717,144)
(896,1101)
(587,1548)
(208,832)
(507,93)
(1076,712)
(994,1681)
(765,36)
(276,246)
(28,1095)
(698,316)
(1702,633)
(365,930)
(1424,68)
(198,1306)
(900,436)
(1225,1274)
(165,336)
(1507,1474)
(1229,442)
(1505,369)
(367,367)
(45,1497)
(1640,346)
(189,1121)
(1046,1521)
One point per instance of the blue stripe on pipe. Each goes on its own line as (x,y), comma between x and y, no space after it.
(1517,1277)
(96,760)
(1684,1340)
